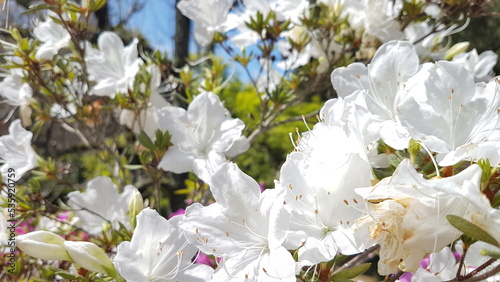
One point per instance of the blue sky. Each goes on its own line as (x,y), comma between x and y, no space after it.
(156,21)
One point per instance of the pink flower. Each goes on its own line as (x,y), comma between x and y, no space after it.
(204,259)
(177,212)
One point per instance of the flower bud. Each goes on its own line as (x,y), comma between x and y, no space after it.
(135,206)
(456,49)
(43,245)
(88,255)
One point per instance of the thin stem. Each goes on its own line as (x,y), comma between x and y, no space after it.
(462,260)
(358,259)
(479,269)
(395,276)
(495,270)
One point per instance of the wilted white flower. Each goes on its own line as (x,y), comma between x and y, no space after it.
(406,214)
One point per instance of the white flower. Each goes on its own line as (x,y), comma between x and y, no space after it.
(43,245)
(384,79)
(319,181)
(452,115)
(202,136)
(146,120)
(209,17)
(244,227)
(428,46)
(113,66)
(406,214)
(284,9)
(382,23)
(101,205)
(89,256)
(352,115)
(16,152)
(158,251)
(14,90)
(480,66)
(441,266)
(54,37)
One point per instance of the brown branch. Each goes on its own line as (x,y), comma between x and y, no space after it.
(358,259)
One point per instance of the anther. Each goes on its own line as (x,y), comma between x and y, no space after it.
(346,202)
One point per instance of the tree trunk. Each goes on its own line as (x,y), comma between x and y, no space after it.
(182,33)
(103,17)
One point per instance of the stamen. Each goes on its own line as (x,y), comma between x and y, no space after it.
(305,122)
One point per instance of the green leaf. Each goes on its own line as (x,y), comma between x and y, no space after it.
(486,168)
(394,160)
(96,5)
(351,272)
(496,201)
(74,8)
(146,141)
(38,8)
(471,230)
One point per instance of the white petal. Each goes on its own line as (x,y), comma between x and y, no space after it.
(235,191)
(176,160)
(346,80)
